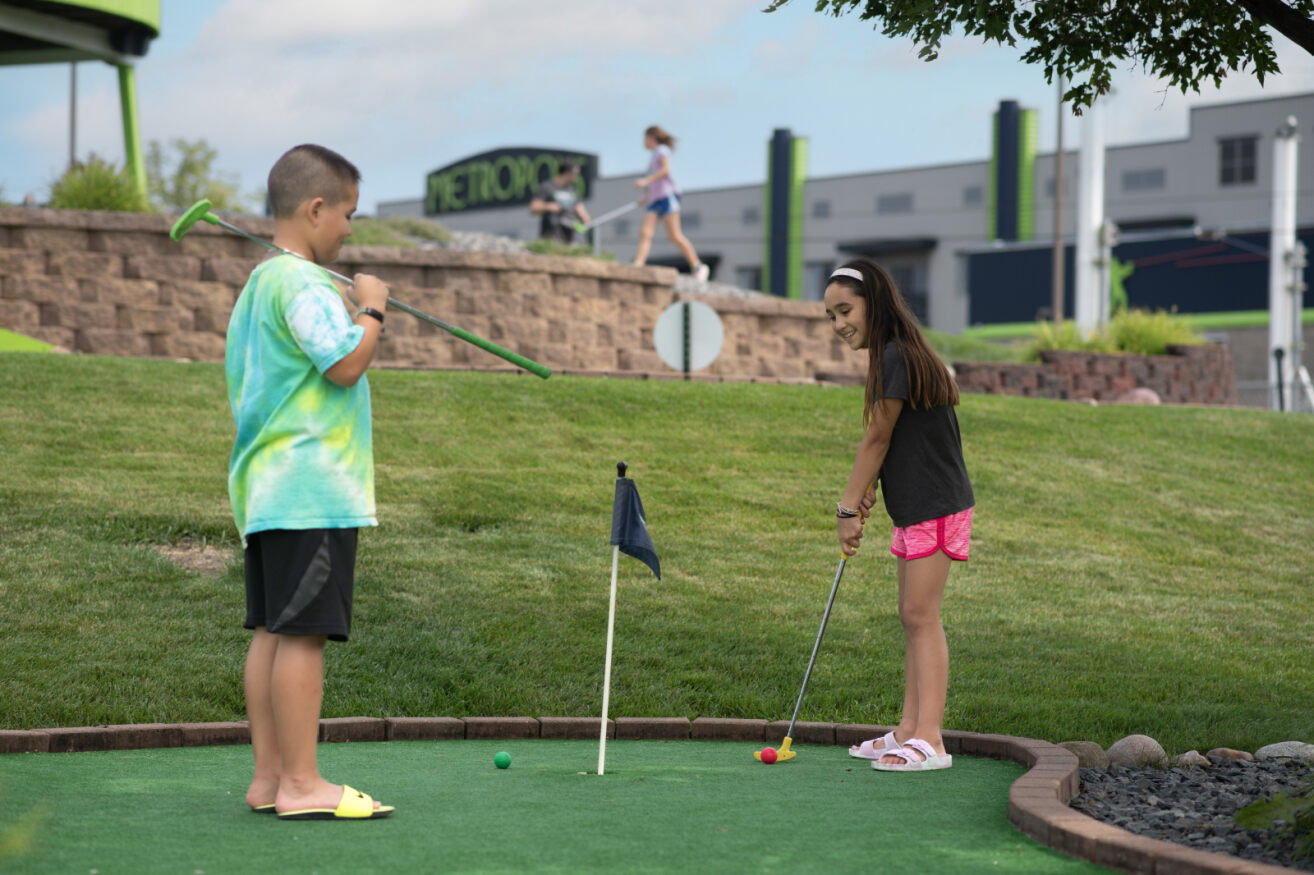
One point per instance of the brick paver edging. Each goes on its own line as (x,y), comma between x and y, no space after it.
(1037,801)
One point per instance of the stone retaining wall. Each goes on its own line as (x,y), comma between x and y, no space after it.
(115,284)
(1186,375)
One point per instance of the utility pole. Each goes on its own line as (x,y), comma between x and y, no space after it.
(1283,303)
(1056,280)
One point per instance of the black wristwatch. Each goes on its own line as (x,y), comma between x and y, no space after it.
(370,311)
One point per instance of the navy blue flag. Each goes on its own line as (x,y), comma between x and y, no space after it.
(629,528)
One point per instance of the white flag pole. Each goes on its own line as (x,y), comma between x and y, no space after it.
(606,672)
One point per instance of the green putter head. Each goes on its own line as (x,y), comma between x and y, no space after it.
(197,212)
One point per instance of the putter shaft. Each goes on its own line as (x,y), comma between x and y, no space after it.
(812,660)
(530,365)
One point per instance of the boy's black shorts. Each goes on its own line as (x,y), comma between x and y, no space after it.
(299,581)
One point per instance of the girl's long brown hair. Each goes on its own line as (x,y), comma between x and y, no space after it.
(889,319)
(661,136)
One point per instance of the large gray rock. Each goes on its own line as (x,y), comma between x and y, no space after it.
(1221,754)
(1192,759)
(1089,754)
(1139,752)
(1139,395)
(1286,750)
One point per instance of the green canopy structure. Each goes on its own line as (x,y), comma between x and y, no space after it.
(118,32)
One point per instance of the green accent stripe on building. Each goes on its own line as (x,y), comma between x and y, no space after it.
(1028,136)
(798,176)
(766,225)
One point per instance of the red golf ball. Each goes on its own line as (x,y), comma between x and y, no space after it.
(768,755)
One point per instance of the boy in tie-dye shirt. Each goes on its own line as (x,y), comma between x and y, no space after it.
(301,475)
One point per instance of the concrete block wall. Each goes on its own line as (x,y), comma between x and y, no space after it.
(115,284)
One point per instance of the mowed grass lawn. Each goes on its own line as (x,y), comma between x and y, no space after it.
(1134,570)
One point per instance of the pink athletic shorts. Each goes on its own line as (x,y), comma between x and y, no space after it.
(952,534)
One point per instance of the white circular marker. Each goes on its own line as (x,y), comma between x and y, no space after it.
(695,321)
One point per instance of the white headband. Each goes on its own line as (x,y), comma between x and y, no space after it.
(851,273)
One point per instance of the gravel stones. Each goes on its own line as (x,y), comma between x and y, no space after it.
(1292,750)
(1089,754)
(1195,807)
(1137,751)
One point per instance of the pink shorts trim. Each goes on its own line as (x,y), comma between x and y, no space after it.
(952,534)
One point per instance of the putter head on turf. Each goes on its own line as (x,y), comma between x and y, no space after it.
(196,212)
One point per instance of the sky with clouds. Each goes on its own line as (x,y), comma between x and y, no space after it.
(404,86)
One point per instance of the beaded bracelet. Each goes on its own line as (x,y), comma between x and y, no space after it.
(845,513)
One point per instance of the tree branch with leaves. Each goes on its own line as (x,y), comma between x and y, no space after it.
(1086,41)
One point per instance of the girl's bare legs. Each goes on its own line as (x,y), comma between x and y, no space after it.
(672,223)
(926,655)
(646,229)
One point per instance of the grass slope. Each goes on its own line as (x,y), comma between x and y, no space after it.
(1134,569)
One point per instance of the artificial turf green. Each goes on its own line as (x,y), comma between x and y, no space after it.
(684,806)
(12,342)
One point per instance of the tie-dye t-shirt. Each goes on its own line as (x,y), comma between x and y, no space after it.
(303,457)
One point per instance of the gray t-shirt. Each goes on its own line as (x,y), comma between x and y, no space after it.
(566,198)
(923,476)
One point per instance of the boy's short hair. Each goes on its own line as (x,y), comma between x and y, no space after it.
(308,171)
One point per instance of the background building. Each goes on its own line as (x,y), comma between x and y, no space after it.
(971,243)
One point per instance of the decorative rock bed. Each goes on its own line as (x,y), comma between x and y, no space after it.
(1195,801)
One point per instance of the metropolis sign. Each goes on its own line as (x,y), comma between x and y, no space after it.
(501,178)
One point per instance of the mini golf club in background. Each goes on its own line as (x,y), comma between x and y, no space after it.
(200,212)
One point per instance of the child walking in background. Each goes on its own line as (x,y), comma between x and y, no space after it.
(301,474)
(663,200)
(912,445)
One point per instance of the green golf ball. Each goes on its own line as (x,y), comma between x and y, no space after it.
(502,760)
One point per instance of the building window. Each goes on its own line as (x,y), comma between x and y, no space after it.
(620,227)
(750,216)
(1143,180)
(815,276)
(973,196)
(821,209)
(1236,160)
(894,203)
(691,220)
(749,277)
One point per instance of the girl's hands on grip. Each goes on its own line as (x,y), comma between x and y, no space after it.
(850,533)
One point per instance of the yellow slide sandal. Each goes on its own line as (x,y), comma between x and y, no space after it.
(355,805)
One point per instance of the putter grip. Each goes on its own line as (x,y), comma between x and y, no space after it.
(516,359)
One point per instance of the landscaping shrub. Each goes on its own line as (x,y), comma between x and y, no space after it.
(97,185)
(552,247)
(406,231)
(1142,332)
(1132,332)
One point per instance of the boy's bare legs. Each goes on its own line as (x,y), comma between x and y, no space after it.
(284,681)
(297,685)
(260,714)
(647,228)
(922,583)
(672,222)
